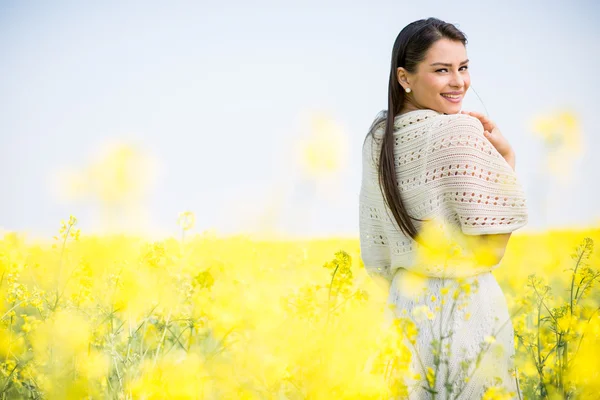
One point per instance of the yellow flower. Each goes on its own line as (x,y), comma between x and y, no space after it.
(564,322)
(562,136)
(490,339)
(28,322)
(410,331)
(498,393)
(186,220)
(422,311)
(430,376)
(466,287)
(558,129)
(412,285)
(325,150)
(72,220)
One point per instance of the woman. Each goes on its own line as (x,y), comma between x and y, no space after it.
(428,165)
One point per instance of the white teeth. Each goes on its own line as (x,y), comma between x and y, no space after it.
(451,96)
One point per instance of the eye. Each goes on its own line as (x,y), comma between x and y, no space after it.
(445,69)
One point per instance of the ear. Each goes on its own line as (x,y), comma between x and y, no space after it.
(402,76)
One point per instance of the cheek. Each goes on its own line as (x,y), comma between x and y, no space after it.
(436,84)
(467,80)
(467,83)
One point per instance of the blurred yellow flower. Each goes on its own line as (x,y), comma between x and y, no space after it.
(559,129)
(131,322)
(498,393)
(421,312)
(412,285)
(116,180)
(119,173)
(444,250)
(63,336)
(186,220)
(561,135)
(430,376)
(10,343)
(95,365)
(325,150)
(176,376)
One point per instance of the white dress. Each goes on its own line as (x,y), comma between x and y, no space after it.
(451,175)
(488,318)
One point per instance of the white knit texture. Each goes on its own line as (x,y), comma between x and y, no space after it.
(449,174)
(488,316)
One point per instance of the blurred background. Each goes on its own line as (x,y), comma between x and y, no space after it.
(251,115)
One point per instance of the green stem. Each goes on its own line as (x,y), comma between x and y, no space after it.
(329,297)
(12,308)
(161,340)
(60,261)
(573,280)
(482,353)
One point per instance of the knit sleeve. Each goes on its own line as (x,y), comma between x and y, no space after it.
(478,183)
(374,248)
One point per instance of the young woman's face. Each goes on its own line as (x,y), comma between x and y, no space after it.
(431,83)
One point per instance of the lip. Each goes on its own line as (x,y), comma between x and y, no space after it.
(453,100)
(454,93)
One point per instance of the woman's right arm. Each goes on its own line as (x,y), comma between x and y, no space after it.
(480,185)
(493,243)
(496,242)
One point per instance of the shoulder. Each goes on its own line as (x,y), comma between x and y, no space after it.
(459,138)
(459,132)
(449,124)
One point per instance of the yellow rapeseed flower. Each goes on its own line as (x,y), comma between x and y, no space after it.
(430,376)
(186,220)
(325,150)
(498,393)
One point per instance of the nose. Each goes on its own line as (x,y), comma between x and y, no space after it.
(457,80)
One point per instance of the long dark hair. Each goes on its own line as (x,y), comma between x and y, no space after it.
(409,50)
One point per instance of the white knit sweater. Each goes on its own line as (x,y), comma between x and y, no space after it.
(448,173)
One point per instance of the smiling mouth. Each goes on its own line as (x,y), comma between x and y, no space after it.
(452,96)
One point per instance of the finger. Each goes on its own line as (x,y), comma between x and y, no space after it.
(479,115)
(484,120)
(491,137)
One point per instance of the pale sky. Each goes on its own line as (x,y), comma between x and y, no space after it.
(219,92)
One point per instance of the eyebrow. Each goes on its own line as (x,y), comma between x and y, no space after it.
(448,65)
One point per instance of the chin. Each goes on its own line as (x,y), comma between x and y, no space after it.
(453,110)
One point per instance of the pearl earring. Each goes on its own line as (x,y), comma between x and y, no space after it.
(407,90)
